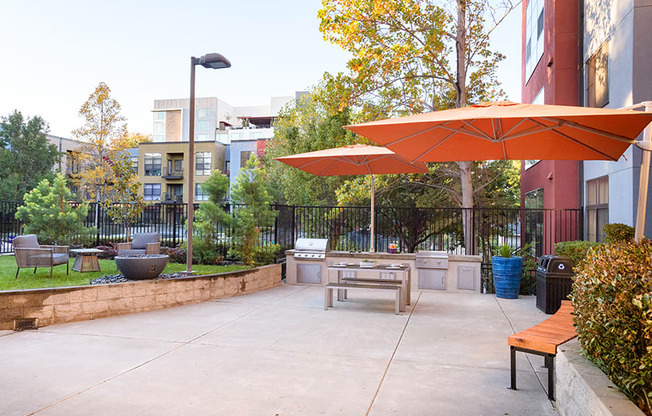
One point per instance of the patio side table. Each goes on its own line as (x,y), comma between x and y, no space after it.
(86,260)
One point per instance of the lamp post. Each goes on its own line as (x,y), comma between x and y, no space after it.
(213,61)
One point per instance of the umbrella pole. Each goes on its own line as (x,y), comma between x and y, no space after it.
(643,181)
(373,214)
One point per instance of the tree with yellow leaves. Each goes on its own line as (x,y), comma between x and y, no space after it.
(411,56)
(101,134)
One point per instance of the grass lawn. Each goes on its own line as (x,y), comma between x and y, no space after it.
(28,280)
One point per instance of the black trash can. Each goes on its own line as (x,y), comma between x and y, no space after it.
(554,282)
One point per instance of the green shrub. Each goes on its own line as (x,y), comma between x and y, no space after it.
(576,250)
(612,297)
(266,254)
(528,276)
(48,213)
(616,233)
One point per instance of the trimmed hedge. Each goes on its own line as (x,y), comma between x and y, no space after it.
(576,250)
(617,233)
(612,297)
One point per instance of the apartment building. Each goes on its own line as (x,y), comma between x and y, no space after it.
(225,138)
(589,53)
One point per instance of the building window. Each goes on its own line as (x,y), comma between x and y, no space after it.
(203,137)
(175,193)
(202,163)
(152,164)
(158,129)
(73,162)
(134,164)
(597,208)
(534,221)
(199,193)
(244,157)
(152,191)
(203,113)
(534,16)
(203,125)
(597,88)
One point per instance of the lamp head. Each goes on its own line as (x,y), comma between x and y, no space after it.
(214,61)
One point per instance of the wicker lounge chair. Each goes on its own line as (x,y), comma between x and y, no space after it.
(29,253)
(143,243)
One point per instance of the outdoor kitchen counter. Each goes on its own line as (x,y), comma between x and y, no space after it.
(457,266)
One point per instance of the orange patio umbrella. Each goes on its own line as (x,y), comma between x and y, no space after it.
(507,130)
(357,159)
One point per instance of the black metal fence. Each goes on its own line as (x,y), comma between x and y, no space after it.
(348,228)
(414,229)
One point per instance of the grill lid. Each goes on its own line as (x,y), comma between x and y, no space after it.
(311,248)
(432,254)
(315,245)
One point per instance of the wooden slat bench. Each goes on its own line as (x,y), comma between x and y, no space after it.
(329,287)
(543,339)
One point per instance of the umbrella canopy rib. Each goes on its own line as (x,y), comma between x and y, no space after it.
(430,149)
(591,130)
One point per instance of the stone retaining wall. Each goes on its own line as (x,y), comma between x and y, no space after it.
(79,303)
(584,390)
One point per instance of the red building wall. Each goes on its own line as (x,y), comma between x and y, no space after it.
(557,72)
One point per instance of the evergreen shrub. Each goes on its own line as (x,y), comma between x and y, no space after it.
(617,232)
(612,297)
(576,250)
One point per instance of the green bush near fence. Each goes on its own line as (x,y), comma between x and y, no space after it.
(612,297)
(576,250)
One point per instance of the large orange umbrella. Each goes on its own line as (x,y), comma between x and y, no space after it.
(507,130)
(357,159)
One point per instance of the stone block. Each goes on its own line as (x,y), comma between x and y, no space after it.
(217,292)
(95,307)
(109,292)
(133,289)
(9,314)
(166,299)
(83,295)
(122,304)
(57,299)
(184,297)
(44,313)
(67,310)
(144,301)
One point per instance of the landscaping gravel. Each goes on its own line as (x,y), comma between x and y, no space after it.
(119,278)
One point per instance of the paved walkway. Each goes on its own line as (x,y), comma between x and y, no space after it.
(278,352)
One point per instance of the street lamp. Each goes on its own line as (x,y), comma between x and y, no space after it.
(213,61)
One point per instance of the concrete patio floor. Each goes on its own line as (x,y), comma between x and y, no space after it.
(277,352)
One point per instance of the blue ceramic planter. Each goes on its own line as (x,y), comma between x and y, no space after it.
(507,276)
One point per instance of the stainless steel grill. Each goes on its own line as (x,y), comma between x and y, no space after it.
(431,269)
(431,260)
(311,249)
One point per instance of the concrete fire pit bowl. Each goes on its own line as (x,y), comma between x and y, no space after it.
(141,266)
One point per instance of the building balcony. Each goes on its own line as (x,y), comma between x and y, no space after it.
(172,199)
(172,173)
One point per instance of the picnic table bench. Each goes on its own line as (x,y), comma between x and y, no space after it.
(543,339)
(329,287)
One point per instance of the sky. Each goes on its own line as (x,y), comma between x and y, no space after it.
(54,53)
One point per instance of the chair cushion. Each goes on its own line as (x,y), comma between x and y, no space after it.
(141,240)
(57,258)
(26,241)
(131,252)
